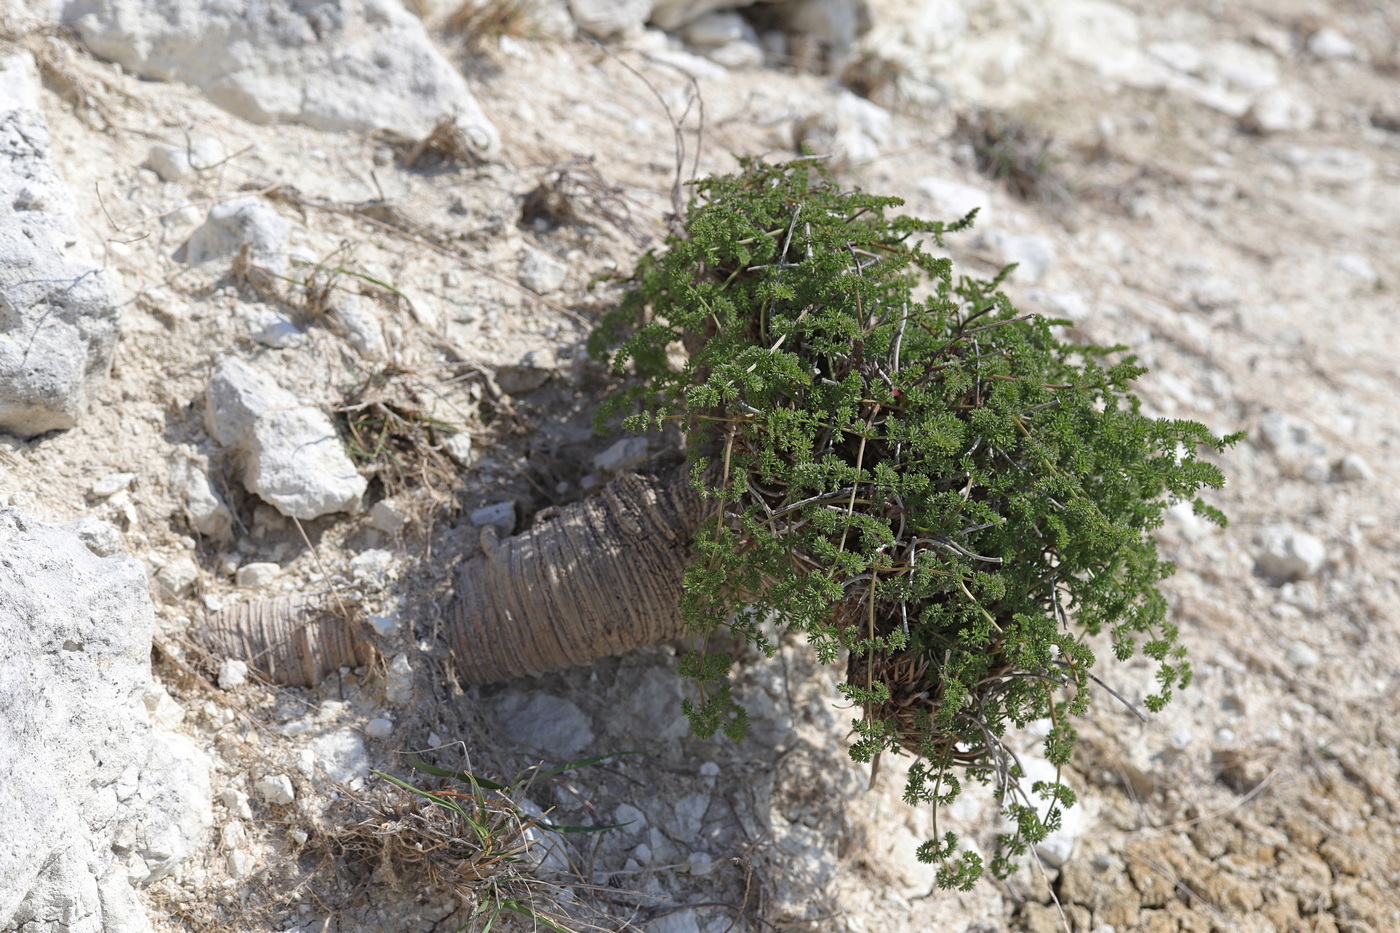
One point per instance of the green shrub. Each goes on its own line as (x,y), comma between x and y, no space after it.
(912,473)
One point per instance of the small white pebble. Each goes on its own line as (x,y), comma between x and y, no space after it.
(276,789)
(237,803)
(379,728)
(233,673)
(240,863)
(1355,470)
(1302,655)
(384,625)
(112,484)
(1224,736)
(257,574)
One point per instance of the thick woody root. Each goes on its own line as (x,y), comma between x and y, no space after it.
(600,577)
(290,640)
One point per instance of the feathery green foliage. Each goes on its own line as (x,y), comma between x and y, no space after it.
(913,474)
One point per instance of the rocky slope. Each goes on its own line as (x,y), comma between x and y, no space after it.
(296,250)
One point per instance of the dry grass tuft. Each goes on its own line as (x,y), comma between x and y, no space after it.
(572,194)
(393,437)
(1016,153)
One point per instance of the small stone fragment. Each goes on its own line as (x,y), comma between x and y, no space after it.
(111,484)
(1278,111)
(545,724)
(164,710)
(629,818)
(102,538)
(276,789)
(278,333)
(1330,44)
(500,515)
(236,802)
(387,517)
(257,574)
(533,371)
(240,864)
(459,447)
(379,728)
(398,681)
(233,674)
(384,625)
(1286,554)
(540,272)
(1358,267)
(342,756)
(363,330)
(1353,469)
(953,200)
(204,507)
(291,454)
(233,225)
(181,163)
(852,131)
(623,454)
(177,578)
(371,565)
(1302,656)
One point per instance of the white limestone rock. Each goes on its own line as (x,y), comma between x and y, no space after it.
(1034,255)
(547,725)
(625,453)
(675,14)
(362,327)
(176,579)
(91,800)
(837,24)
(204,506)
(290,452)
(276,789)
(716,29)
(953,200)
(338,65)
(1286,554)
(540,272)
(257,574)
(342,756)
(58,314)
(610,19)
(853,130)
(102,538)
(1279,111)
(184,163)
(1330,44)
(235,224)
(498,515)
(529,373)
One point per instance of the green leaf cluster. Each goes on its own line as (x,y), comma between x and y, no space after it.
(923,481)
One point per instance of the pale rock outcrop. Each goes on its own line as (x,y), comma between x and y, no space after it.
(853,131)
(58,315)
(331,64)
(290,452)
(92,799)
(610,19)
(674,14)
(233,225)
